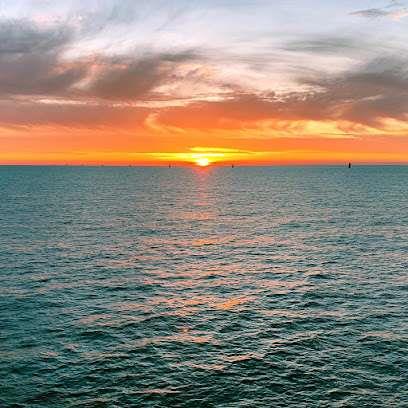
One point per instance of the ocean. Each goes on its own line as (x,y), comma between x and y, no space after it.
(215,287)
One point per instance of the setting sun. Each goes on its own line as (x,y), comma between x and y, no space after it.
(202,162)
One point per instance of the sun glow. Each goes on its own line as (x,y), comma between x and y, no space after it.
(202,162)
(204,156)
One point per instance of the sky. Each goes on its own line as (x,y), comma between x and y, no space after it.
(184,81)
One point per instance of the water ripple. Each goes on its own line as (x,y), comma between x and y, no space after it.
(245,287)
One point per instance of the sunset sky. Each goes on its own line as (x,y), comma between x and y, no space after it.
(176,81)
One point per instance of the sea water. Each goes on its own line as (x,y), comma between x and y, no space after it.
(215,287)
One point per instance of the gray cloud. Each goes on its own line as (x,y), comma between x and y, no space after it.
(328,45)
(23,37)
(371,13)
(394,9)
(32,67)
(129,79)
(28,113)
(36,74)
(31,63)
(367,94)
(29,60)
(364,95)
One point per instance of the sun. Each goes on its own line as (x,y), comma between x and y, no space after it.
(202,162)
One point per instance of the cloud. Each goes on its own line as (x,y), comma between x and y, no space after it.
(103,88)
(329,45)
(24,37)
(30,60)
(22,113)
(367,94)
(394,10)
(371,13)
(130,79)
(364,96)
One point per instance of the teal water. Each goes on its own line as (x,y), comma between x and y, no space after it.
(219,287)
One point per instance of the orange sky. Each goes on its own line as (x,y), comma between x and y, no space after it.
(253,84)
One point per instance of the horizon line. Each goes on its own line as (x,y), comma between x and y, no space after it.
(192,165)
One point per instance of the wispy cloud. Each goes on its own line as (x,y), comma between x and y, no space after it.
(395,10)
(32,62)
(200,73)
